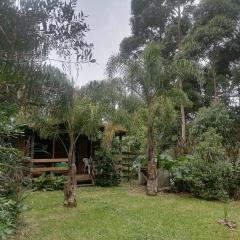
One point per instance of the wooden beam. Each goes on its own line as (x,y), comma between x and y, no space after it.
(55,160)
(49,169)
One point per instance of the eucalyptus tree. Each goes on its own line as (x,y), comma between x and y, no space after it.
(214,41)
(30,29)
(157,20)
(147,77)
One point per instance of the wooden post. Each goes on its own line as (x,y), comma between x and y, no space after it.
(31,153)
(53,147)
(121,157)
(32,146)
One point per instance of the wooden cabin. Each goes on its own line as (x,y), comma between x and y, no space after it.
(50,155)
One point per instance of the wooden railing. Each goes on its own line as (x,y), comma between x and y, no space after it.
(37,170)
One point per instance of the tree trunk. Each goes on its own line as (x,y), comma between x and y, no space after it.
(184,139)
(70,186)
(152,187)
(215,86)
(183,124)
(183,117)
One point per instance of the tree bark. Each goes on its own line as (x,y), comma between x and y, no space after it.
(183,117)
(184,138)
(152,186)
(70,186)
(214,85)
(183,121)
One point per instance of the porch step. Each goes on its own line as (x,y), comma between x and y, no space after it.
(84,180)
(83,177)
(85,185)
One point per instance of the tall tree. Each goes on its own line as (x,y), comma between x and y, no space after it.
(180,5)
(31,28)
(157,20)
(67,115)
(147,77)
(29,31)
(168,22)
(185,71)
(214,41)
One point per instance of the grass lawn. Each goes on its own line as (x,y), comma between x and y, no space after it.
(126,213)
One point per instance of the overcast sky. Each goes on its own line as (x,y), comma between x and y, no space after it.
(109,24)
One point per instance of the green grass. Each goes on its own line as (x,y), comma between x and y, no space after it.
(126,213)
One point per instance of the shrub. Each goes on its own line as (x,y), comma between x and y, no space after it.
(235,186)
(12,172)
(209,175)
(210,147)
(207,180)
(216,116)
(167,162)
(12,177)
(106,172)
(8,217)
(49,182)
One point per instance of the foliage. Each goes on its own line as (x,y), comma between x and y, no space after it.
(30,29)
(13,176)
(167,162)
(106,170)
(156,20)
(49,182)
(12,173)
(216,116)
(214,38)
(235,185)
(210,147)
(211,181)
(9,212)
(209,174)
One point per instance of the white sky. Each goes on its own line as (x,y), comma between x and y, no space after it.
(109,24)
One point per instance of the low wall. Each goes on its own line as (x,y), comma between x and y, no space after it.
(163,178)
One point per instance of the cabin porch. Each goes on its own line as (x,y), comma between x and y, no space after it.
(50,155)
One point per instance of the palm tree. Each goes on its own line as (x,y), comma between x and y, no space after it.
(146,76)
(68,115)
(81,118)
(182,70)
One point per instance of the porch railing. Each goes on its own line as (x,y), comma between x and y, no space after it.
(37,167)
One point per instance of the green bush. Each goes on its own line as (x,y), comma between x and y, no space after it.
(167,162)
(209,175)
(235,186)
(13,175)
(216,116)
(8,217)
(49,182)
(207,180)
(106,172)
